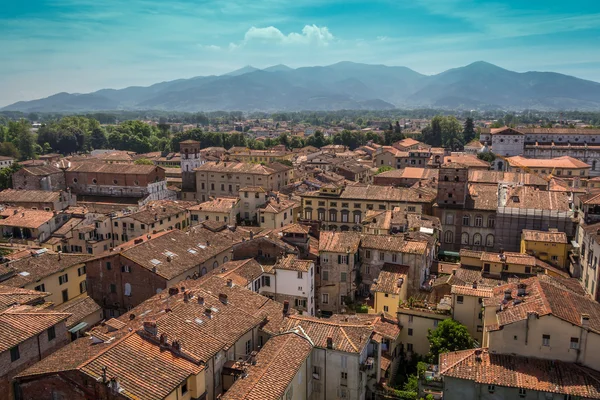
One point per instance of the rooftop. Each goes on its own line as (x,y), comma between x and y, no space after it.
(103,168)
(33,268)
(390,279)
(242,167)
(558,162)
(219,204)
(25,218)
(79,308)
(29,196)
(10,296)
(544,236)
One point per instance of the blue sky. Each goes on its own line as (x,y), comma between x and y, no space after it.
(49,46)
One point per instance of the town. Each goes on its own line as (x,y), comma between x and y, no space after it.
(420,259)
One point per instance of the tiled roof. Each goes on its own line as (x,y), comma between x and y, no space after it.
(482,197)
(468,160)
(470,253)
(42,170)
(25,218)
(103,168)
(558,162)
(339,242)
(471,291)
(241,272)
(219,204)
(509,258)
(30,269)
(549,376)
(529,197)
(29,196)
(79,308)
(275,207)
(505,130)
(393,244)
(347,337)
(390,279)
(11,295)
(387,193)
(292,263)
(495,177)
(19,323)
(544,297)
(145,371)
(159,209)
(277,363)
(544,236)
(241,168)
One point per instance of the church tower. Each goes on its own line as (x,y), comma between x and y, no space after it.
(190,160)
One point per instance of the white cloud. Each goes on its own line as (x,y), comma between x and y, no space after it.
(209,47)
(310,35)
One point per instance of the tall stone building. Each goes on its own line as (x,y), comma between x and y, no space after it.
(190,160)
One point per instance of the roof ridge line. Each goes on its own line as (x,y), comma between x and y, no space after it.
(349,341)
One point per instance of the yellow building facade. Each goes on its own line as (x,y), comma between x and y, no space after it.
(549,246)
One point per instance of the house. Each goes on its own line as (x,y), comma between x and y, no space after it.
(566,166)
(251,198)
(588,240)
(220,209)
(38,199)
(63,276)
(550,246)
(467,303)
(277,212)
(468,160)
(40,177)
(389,288)
(85,313)
(6,162)
(29,225)
(405,177)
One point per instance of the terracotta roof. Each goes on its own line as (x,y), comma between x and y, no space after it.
(42,170)
(25,218)
(79,308)
(544,297)
(242,168)
(550,376)
(346,337)
(339,242)
(219,204)
(505,130)
(482,197)
(390,279)
(468,160)
(19,323)
(495,177)
(292,263)
(277,363)
(159,209)
(296,228)
(387,193)
(241,272)
(275,207)
(30,196)
(31,269)
(103,168)
(471,291)
(10,296)
(529,197)
(550,164)
(509,258)
(544,236)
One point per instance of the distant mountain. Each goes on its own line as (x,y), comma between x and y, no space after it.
(344,85)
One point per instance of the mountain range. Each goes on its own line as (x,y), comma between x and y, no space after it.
(344,85)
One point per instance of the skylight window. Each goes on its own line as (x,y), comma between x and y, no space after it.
(192,251)
(155,261)
(201,246)
(170,254)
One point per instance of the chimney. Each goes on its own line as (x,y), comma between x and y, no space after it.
(150,328)
(223,298)
(59,255)
(453,271)
(201,300)
(400,282)
(104,374)
(253,357)
(474,284)
(329,342)
(585,321)
(507,294)
(173,291)
(521,289)
(286,307)
(229,282)
(186,297)
(252,234)
(207,243)
(208,313)
(163,339)
(176,346)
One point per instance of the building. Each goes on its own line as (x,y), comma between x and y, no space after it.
(405,177)
(344,208)
(588,239)
(251,199)
(467,303)
(28,226)
(28,335)
(63,276)
(389,288)
(6,162)
(277,212)
(190,160)
(41,177)
(224,179)
(150,264)
(220,209)
(85,313)
(545,143)
(565,166)
(472,162)
(117,180)
(416,319)
(481,374)
(38,199)
(550,246)
(150,218)
(260,156)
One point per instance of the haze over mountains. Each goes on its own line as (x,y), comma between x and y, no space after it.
(344,85)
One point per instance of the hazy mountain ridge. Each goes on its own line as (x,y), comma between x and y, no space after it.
(344,85)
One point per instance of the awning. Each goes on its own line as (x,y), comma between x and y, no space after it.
(78,327)
(449,253)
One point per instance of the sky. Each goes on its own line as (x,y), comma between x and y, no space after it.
(79,46)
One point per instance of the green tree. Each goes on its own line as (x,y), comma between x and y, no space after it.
(9,149)
(450,335)
(384,169)
(6,175)
(98,138)
(284,139)
(469,130)
(143,161)
(25,139)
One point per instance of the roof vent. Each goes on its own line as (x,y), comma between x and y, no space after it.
(200,300)
(208,312)
(521,289)
(223,298)
(507,294)
(229,282)
(330,342)
(151,328)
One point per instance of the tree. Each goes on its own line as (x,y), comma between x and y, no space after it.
(8,149)
(384,169)
(450,335)
(25,140)
(143,161)
(489,156)
(6,175)
(469,130)
(284,140)
(98,138)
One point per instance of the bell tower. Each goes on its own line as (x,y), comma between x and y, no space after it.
(190,160)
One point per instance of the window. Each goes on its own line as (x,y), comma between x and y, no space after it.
(410,332)
(479,328)
(522,392)
(449,237)
(40,288)
(491,222)
(464,238)
(299,274)
(477,239)
(545,340)
(108,266)
(113,288)
(411,319)
(248,347)
(554,258)
(460,299)
(344,375)
(491,388)
(14,354)
(343,277)
(436,323)
(381,256)
(394,257)
(385,308)
(527,270)
(574,343)
(51,333)
(325,298)
(266,281)
(82,287)
(127,289)
(325,275)
(184,388)
(63,279)
(65,295)
(466,220)
(125,268)
(489,240)
(344,362)
(478,220)
(368,254)
(449,219)
(409,347)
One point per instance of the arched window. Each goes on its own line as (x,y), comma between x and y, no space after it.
(321,214)
(333,215)
(491,222)
(127,289)
(225,259)
(477,239)
(203,272)
(308,213)
(464,238)
(466,220)
(449,237)
(489,240)
(215,265)
(478,220)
